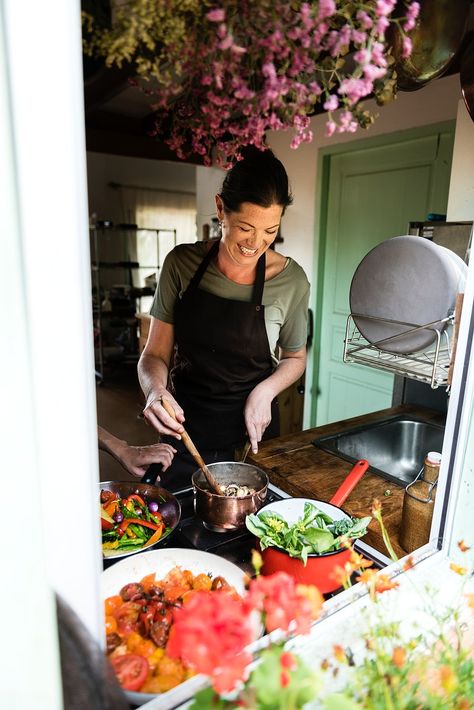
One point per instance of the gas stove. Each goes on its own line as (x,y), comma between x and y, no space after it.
(235,545)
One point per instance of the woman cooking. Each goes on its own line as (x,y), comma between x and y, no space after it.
(229,324)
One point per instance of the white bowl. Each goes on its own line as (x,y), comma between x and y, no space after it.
(292,509)
(133,569)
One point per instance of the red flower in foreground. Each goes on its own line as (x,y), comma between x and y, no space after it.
(209,634)
(283,604)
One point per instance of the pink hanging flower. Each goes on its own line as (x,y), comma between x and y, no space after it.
(217,15)
(407,47)
(332,103)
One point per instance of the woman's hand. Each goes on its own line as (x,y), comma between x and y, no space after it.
(258,413)
(159,418)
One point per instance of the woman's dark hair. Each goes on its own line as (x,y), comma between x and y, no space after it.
(259,178)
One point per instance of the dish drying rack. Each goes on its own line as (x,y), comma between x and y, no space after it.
(430,365)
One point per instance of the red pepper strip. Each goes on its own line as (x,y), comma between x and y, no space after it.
(126,522)
(136,497)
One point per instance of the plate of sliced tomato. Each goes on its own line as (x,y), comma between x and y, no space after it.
(140,595)
(135,516)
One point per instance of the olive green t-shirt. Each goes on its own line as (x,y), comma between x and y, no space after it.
(285,296)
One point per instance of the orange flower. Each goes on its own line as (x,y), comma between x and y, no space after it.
(408,564)
(398,656)
(367,576)
(341,575)
(470,601)
(340,653)
(358,561)
(462,546)
(383,583)
(458,569)
(447,678)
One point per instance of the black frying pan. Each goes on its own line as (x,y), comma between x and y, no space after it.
(168,505)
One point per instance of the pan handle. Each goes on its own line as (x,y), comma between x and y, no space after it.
(152,473)
(349,483)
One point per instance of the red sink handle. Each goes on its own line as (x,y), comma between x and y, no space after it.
(350,482)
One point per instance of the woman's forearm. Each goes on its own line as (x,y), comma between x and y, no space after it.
(289,370)
(110,443)
(153,376)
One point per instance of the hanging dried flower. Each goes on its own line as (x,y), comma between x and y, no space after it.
(222,75)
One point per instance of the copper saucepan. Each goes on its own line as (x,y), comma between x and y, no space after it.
(225,513)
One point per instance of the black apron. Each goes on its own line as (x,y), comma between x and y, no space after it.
(221,354)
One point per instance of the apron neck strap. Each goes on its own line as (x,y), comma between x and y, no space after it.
(259,283)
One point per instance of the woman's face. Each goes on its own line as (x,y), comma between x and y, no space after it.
(248,233)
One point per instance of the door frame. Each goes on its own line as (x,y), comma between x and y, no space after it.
(320,236)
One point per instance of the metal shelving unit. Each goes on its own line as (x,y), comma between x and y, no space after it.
(119,277)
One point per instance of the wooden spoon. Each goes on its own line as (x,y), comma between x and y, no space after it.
(215,488)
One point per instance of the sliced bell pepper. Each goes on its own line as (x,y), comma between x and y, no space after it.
(107,522)
(135,496)
(156,536)
(126,522)
(110,508)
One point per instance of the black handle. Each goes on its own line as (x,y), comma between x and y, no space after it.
(152,473)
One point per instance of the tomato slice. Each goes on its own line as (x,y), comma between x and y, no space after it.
(131,670)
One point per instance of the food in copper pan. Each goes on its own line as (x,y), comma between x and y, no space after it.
(237,491)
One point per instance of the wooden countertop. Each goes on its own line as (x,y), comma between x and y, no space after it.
(301,469)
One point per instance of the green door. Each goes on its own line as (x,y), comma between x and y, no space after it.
(371,194)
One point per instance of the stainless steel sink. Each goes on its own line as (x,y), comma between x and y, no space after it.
(395,448)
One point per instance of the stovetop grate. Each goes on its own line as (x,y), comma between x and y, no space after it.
(235,545)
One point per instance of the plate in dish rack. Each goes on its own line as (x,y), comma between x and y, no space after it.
(408,279)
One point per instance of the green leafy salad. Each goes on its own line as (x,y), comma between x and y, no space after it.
(313,533)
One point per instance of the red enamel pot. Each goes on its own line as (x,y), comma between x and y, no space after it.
(319,569)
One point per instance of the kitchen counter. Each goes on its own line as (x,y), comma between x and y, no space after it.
(303,470)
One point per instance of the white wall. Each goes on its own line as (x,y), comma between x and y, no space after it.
(140,172)
(208,184)
(461,187)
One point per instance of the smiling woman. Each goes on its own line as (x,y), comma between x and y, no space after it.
(229,328)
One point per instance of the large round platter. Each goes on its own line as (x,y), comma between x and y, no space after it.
(133,569)
(407,279)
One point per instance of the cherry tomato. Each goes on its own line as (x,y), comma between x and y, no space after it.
(131,670)
(110,625)
(111,604)
(127,617)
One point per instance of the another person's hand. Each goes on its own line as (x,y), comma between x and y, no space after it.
(159,418)
(135,459)
(258,413)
